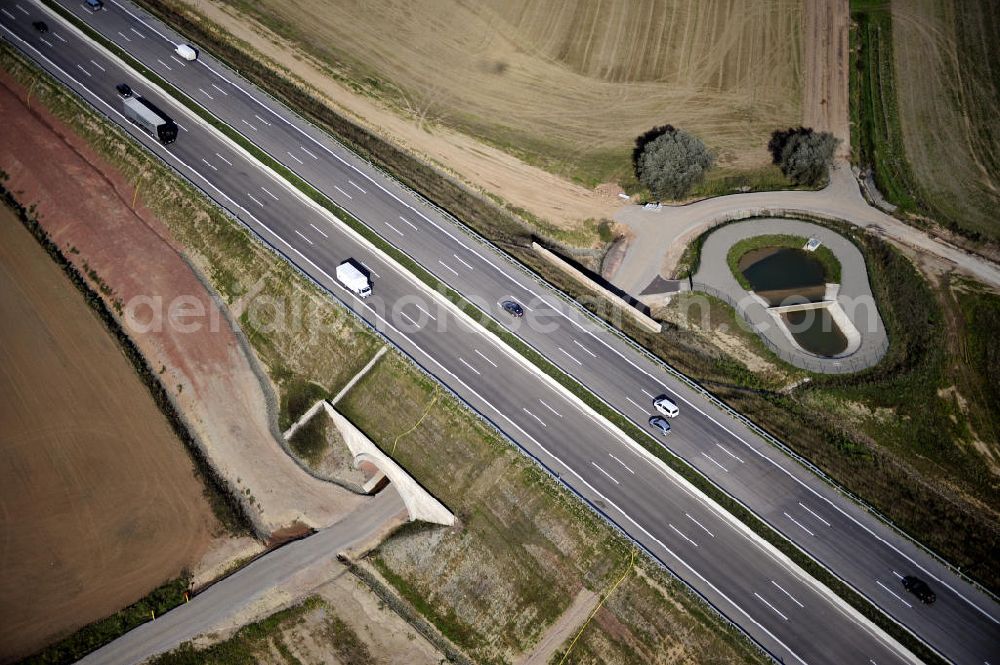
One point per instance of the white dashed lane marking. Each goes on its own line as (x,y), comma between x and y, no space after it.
(700,524)
(479,353)
(799,524)
(712,460)
(762,599)
(605,473)
(626,466)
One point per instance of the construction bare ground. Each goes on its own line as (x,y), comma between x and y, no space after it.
(199,359)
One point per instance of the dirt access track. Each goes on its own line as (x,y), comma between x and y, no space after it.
(85,204)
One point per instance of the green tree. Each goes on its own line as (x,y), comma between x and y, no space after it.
(804,156)
(672,163)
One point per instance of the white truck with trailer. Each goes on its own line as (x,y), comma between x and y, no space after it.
(149,119)
(354,279)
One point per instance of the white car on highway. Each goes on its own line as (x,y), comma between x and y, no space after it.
(187,52)
(665,405)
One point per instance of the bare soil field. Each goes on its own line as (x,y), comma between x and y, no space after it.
(947,68)
(99,502)
(89,208)
(825,25)
(491,91)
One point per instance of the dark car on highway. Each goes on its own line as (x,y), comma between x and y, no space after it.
(40,26)
(512,308)
(660,423)
(124,91)
(919,588)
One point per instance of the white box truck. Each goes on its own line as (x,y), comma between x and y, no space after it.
(352,278)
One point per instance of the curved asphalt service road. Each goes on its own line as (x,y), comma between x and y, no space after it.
(216,606)
(731,570)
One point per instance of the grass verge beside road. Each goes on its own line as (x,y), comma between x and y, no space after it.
(877,137)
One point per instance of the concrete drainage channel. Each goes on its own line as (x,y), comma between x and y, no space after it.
(420,504)
(576,390)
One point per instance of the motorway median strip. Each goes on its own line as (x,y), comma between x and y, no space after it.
(812,567)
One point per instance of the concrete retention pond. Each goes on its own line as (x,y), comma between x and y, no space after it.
(807,320)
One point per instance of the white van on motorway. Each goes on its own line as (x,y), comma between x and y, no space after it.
(187,52)
(666,406)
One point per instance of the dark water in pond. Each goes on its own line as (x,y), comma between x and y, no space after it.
(787,272)
(815,331)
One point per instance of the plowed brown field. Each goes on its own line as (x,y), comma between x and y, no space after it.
(98,499)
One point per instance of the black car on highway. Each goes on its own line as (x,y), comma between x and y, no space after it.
(124,91)
(919,588)
(41,26)
(512,308)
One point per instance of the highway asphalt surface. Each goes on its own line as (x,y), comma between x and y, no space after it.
(777,606)
(217,605)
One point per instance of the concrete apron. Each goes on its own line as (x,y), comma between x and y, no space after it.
(830,304)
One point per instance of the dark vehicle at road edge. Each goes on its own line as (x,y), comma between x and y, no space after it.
(919,588)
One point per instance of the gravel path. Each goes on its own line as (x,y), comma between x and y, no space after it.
(661,236)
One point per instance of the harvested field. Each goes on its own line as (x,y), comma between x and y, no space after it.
(947,68)
(99,500)
(140,255)
(564,90)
